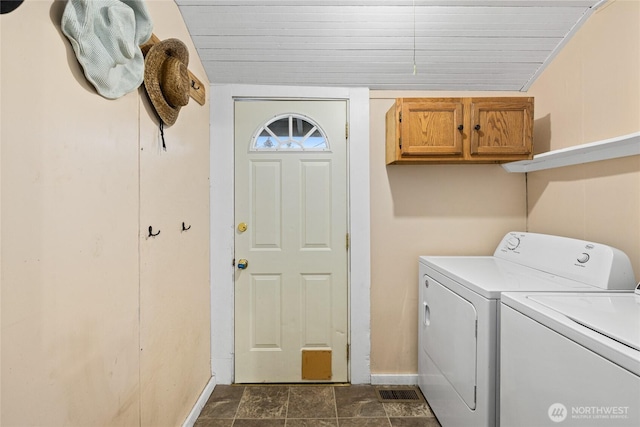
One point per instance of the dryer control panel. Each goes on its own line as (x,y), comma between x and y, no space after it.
(588,262)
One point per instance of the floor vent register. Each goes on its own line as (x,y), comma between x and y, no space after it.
(399,394)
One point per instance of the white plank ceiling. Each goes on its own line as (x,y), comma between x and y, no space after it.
(391,44)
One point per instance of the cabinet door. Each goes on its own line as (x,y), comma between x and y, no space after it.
(502,127)
(431,128)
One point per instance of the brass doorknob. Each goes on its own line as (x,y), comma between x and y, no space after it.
(242,264)
(242,227)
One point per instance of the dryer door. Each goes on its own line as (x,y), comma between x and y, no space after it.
(450,337)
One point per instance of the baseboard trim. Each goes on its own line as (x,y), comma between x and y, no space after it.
(202,400)
(394,379)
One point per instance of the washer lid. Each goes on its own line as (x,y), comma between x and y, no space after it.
(613,320)
(614,316)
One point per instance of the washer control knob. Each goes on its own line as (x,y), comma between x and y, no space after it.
(512,243)
(584,257)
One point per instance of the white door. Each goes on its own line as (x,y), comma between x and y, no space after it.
(291,228)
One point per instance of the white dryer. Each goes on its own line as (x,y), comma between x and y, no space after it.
(459,316)
(570,359)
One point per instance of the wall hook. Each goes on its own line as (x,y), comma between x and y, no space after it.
(151,232)
(185,228)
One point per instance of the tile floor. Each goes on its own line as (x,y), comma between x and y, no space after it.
(309,406)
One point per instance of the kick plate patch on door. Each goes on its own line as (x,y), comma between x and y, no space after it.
(316,364)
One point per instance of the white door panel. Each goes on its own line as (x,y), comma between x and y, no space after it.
(292,297)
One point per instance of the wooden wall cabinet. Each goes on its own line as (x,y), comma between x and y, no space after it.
(459,130)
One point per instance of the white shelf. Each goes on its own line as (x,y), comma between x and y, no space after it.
(622,146)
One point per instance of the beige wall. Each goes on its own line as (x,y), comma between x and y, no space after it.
(591,92)
(98,322)
(426,210)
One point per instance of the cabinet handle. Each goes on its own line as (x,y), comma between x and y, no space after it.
(477,127)
(460,127)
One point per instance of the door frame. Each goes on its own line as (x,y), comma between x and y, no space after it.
(222,220)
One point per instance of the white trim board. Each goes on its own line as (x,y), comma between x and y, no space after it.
(562,44)
(222,220)
(613,148)
(202,400)
(394,379)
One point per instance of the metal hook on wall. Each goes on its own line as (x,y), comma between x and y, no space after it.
(185,228)
(151,232)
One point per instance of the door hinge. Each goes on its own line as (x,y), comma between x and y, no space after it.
(400,117)
(346,131)
(400,142)
(476,328)
(348,352)
(347,241)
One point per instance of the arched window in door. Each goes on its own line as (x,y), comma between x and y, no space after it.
(290,132)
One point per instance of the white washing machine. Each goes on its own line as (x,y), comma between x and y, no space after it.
(459,301)
(570,359)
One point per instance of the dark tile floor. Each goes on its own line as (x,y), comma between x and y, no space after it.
(309,406)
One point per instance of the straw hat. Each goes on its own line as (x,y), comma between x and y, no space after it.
(166,78)
(106,36)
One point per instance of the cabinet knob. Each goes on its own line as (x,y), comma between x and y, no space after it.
(460,127)
(477,127)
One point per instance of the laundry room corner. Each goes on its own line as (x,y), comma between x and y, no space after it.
(417,210)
